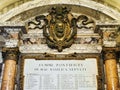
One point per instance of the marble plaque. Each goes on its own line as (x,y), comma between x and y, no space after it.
(60,74)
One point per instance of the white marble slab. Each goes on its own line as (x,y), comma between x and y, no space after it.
(60,74)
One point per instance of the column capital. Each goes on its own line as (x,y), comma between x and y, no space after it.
(109,55)
(11,53)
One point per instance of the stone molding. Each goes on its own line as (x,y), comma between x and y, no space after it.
(39,3)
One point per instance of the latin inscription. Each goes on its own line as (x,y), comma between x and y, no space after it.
(60,74)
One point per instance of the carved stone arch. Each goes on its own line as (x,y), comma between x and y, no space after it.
(94,6)
(74,9)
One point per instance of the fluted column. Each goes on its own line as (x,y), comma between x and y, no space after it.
(8,81)
(112,79)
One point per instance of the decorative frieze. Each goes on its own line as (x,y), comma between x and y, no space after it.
(75,48)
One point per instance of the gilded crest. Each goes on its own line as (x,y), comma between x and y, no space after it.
(60,29)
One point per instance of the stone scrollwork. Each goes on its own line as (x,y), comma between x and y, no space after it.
(40,21)
(60,27)
(85,22)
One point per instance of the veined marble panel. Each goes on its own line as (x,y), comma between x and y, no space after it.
(109,43)
(11,43)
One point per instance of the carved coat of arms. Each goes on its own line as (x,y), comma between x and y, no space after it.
(60,28)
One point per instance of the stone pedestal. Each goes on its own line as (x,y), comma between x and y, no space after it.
(112,79)
(8,81)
